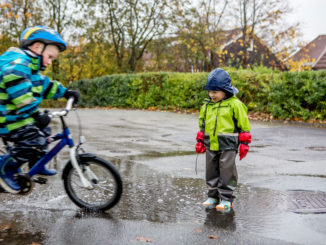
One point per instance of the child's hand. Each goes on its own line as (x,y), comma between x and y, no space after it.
(243,150)
(41,119)
(244,140)
(200,147)
(72,93)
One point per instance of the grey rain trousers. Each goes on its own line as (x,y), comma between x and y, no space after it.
(221,174)
(29,143)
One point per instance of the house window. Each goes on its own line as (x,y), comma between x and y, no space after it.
(251,47)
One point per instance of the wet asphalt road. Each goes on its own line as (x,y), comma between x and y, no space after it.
(154,152)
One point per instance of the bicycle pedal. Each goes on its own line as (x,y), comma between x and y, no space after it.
(40,180)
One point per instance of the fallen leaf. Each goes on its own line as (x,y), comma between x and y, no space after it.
(144,239)
(5,227)
(198,230)
(213,237)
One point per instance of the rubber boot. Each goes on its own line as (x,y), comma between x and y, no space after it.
(44,171)
(210,202)
(47,172)
(224,206)
(8,167)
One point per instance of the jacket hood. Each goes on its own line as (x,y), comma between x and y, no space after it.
(11,54)
(219,79)
(14,53)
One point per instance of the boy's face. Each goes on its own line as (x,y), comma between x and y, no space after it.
(50,53)
(216,95)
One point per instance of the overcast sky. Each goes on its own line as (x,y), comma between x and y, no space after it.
(312,14)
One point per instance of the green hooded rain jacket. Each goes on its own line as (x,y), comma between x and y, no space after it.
(222,122)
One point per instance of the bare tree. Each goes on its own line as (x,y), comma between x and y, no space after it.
(264,18)
(58,14)
(17,15)
(199,32)
(132,25)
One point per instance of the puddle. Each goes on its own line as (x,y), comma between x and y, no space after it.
(27,226)
(306,175)
(13,237)
(120,151)
(155,154)
(295,161)
(317,148)
(152,196)
(157,197)
(259,146)
(165,135)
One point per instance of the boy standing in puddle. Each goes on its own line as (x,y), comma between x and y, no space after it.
(224,128)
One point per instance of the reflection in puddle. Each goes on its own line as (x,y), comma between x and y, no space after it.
(220,220)
(156,197)
(148,195)
(25,226)
(160,198)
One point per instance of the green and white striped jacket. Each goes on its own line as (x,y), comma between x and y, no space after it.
(22,89)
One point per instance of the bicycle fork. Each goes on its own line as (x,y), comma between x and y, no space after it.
(75,165)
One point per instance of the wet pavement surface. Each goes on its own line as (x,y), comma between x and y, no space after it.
(281,196)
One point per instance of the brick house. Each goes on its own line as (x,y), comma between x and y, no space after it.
(228,52)
(231,52)
(313,55)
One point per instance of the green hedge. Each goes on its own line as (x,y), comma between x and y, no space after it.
(299,95)
(284,95)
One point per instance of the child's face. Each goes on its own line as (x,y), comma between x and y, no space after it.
(216,95)
(50,53)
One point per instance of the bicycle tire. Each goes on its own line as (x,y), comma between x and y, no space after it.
(105,196)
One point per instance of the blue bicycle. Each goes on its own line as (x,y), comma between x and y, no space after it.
(91,182)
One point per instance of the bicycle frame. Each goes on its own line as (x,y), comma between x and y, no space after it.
(65,139)
(91,182)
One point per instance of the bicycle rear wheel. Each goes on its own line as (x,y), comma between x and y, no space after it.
(105,179)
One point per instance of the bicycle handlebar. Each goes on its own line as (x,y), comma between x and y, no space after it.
(65,111)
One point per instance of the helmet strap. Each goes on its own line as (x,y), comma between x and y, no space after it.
(42,68)
(40,56)
(44,47)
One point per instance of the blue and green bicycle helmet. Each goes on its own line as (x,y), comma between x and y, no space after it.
(42,34)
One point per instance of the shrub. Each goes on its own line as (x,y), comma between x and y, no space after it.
(284,95)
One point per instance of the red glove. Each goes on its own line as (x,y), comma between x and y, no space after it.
(244,140)
(243,150)
(200,147)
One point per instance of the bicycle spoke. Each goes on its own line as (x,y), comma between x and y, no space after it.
(105,186)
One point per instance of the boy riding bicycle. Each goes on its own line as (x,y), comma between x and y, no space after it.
(22,89)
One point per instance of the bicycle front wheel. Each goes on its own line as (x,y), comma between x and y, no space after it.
(106,183)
